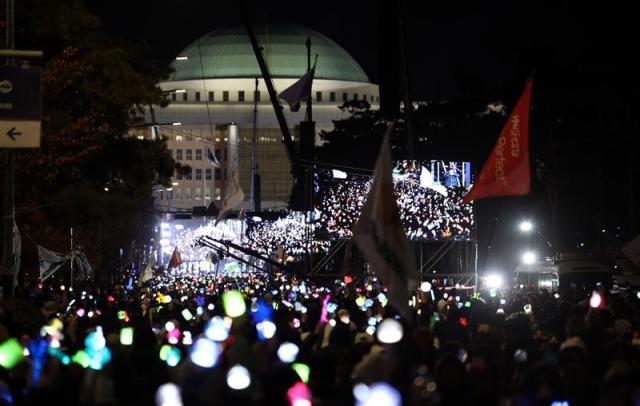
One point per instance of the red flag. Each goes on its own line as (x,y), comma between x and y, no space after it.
(506,172)
(176,259)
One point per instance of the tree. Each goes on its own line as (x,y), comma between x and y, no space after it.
(88,173)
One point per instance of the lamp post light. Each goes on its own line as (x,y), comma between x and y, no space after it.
(528,257)
(526,226)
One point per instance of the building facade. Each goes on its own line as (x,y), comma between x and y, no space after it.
(213,85)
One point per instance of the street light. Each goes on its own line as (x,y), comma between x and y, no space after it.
(526,226)
(528,257)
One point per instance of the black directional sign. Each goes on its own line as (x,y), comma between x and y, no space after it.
(20,107)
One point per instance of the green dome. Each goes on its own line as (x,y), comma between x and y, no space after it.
(227,53)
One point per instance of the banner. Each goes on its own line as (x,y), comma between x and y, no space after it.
(506,172)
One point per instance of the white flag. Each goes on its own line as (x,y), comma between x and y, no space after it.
(426,181)
(298,91)
(85,271)
(50,262)
(233,194)
(147,274)
(381,238)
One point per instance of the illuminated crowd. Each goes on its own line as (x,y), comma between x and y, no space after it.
(194,337)
(289,235)
(425,213)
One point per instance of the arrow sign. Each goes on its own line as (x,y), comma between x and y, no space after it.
(12,133)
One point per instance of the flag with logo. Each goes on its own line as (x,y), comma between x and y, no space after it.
(381,238)
(298,91)
(507,172)
(176,258)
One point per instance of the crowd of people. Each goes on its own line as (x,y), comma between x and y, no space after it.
(191,337)
(426,213)
(289,235)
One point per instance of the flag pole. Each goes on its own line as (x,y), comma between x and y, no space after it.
(309,110)
(252,180)
(72,256)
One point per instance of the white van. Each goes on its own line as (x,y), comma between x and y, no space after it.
(534,277)
(583,273)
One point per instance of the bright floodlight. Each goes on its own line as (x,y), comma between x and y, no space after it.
(493,281)
(526,226)
(238,378)
(528,258)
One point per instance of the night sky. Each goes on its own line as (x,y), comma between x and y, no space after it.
(582,57)
(445,41)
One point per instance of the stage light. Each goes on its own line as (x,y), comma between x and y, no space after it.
(493,281)
(528,258)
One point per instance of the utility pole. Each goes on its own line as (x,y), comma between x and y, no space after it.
(20,124)
(8,180)
(404,75)
(309,110)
